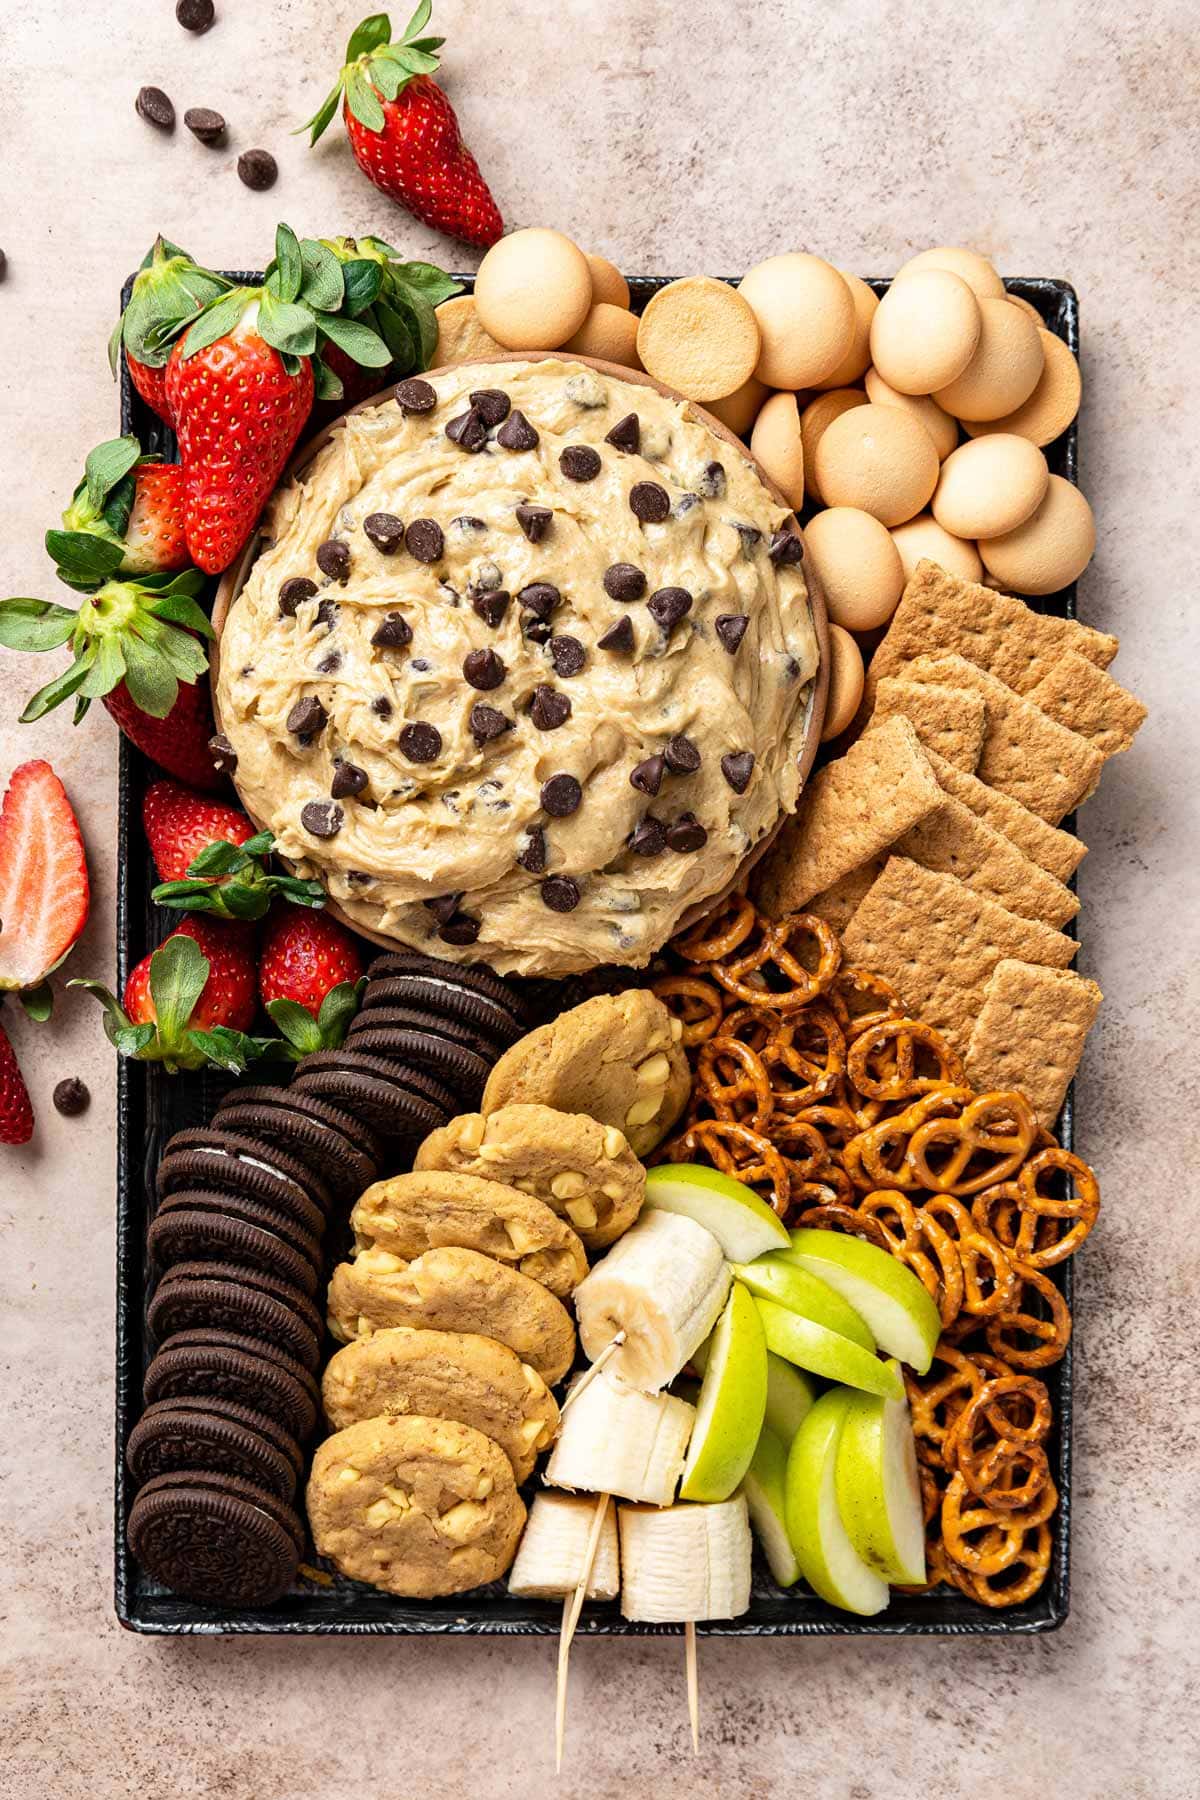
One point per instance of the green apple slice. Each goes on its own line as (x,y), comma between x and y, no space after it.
(888,1296)
(879,1489)
(790,1395)
(765,1488)
(811,1346)
(828,1560)
(733,1397)
(742,1224)
(775,1278)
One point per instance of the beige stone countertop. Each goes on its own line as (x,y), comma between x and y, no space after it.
(679,136)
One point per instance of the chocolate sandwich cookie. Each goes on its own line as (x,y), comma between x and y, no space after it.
(398,1105)
(437,1002)
(238,1298)
(216,1537)
(346,1150)
(181,1434)
(203,1225)
(474,977)
(228,1366)
(463,1071)
(205,1156)
(411,1018)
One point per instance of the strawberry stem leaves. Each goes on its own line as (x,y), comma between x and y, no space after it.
(233,882)
(374,63)
(179,972)
(303,1033)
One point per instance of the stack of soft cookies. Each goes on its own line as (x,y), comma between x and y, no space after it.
(932,845)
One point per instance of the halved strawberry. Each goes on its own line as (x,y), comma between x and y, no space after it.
(210,857)
(44,890)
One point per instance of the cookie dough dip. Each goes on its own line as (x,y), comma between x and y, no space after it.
(524,669)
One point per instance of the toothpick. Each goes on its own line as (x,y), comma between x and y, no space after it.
(572,1607)
(590,1374)
(693,1683)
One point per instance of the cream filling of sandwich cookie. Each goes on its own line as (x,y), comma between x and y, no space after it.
(523,670)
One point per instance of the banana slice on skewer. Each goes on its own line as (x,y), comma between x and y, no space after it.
(616,1440)
(550,1562)
(687,1562)
(663,1284)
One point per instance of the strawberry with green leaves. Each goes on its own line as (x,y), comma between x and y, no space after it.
(44,888)
(168,289)
(211,859)
(16,1108)
(310,977)
(133,503)
(404,132)
(397,300)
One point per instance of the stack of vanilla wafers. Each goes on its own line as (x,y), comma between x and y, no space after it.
(933,844)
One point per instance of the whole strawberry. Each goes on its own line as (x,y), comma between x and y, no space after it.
(404,132)
(181,741)
(16,1109)
(167,289)
(310,972)
(131,503)
(211,859)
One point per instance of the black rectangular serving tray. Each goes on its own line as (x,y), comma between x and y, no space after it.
(151,1106)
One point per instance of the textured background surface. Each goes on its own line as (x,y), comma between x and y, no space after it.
(687,136)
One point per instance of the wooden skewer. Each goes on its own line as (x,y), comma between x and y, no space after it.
(589,1375)
(693,1683)
(572,1607)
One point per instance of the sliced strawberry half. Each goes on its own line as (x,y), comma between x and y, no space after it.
(44,890)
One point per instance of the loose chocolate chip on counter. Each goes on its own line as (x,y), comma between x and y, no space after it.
(385,531)
(786,548)
(649,502)
(618,637)
(484,669)
(668,605)
(292,592)
(491,606)
(539,598)
(487,724)
(624,581)
(333,559)
(469,431)
(560,893)
(424,540)
(737,766)
(517,433)
(307,718)
(626,434)
(348,779)
(561,796)
(730,629)
(3,265)
(462,929)
(205,124)
(549,708)
(421,742)
(322,818)
(156,108)
(687,833)
(415,395)
(393,632)
(682,755)
(382,707)
(533,857)
(649,837)
(492,404)
(443,906)
(647,777)
(257,169)
(568,656)
(712,482)
(71,1097)
(534,521)
(195,15)
(579,462)
(224,756)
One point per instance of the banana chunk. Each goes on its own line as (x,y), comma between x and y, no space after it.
(552,1551)
(685,1562)
(615,1440)
(663,1285)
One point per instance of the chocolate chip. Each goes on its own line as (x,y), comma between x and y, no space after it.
(385,531)
(393,632)
(537,631)
(469,431)
(223,754)
(626,434)
(561,796)
(649,502)
(443,906)
(484,669)
(560,893)
(649,837)
(468,525)
(492,405)
(549,709)
(685,504)
(205,124)
(539,598)
(423,539)
(322,818)
(687,833)
(462,929)
(568,656)
(750,536)
(737,767)
(534,521)
(533,857)
(333,559)
(420,743)
(348,778)
(517,433)
(257,169)
(712,482)
(307,717)
(624,581)
(786,548)
(683,756)
(327,612)
(422,664)
(730,629)
(487,723)
(487,577)
(382,707)
(71,1097)
(668,605)
(195,15)
(647,776)
(415,395)
(618,637)
(293,591)
(330,663)
(579,462)
(155,108)
(491,606)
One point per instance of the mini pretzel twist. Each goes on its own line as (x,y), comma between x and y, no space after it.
(1026,1221)
(740,1152)
(878,1156)
(696,1003)
(1019,1582)
(989,1280)
(936,1399)
(815,1067)
(832,1215)
(1001,1123)
(861,999)
(897,1059)
(982,1540)
(1008,1332)
(770,972)
(995,1443)
(720,933)
(734,1081)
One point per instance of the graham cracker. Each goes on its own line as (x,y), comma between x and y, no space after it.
(1058,852)
(838,904)
(1087,700)
(952,841)
(939,612)
(949,720)
(1030,1033)
(938,943)
(1026,754)
(851,810)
